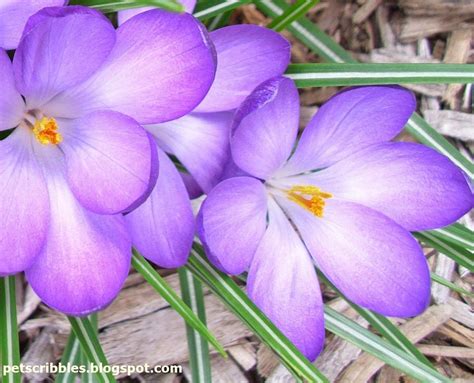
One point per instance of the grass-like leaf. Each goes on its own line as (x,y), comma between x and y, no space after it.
(381,349)
(120,5)
(91,347)
(159,284)
(211,8)
(321,44)
(71,356)
(456,234)
(442,281)
(10,349)
(293,12)
(316,75)
(237,301)
(193,296)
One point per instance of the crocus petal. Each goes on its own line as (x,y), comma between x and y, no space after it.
(350,121)
(373,261)
(416,186)
(11,103)
(200,141)
(282,282)
(61,48)
(129,13)
(247,55)
(86,257)
(13,17)
(161,68)
(194,190)
(111,161)
(265,127)
(24,204)
(162,229)
(232,221)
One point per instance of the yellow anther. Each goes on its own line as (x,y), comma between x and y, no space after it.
(46,131)
(309,197)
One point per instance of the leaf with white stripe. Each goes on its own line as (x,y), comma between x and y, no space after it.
(191,291)
(71,356)
(293,12)
(316,75)
(442,281)
(120,5)
(10,348)
(456,234)
(211,8)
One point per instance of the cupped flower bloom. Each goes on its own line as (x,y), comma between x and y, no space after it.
(13,16)
(345,201)
(77,158)
(163,227)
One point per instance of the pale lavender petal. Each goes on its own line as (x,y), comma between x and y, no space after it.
(265,127)
(162,228)
(161,67)
(373,261)
(416,186)
(232,221)
(11,104)
(282,282)
(86,257)
(200,141)
(350,121)
(24,204)
(247,55)
(62,47)
(13,17)
(111,161)
(129,13)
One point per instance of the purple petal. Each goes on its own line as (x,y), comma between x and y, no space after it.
(373,261)
(161,68)
(350,121)
(129,13)
(11,104)
(232,221)
(24,204)
(62,47)
(194,190)
(162,228)
(415,186)
(265,127)
(247,55)
(282,282)
(13,17)
(86,257)
(111,162)
(201,143)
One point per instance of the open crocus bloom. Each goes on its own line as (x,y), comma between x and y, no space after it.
(346,200)
(13,16)
(78,157)
(163,227)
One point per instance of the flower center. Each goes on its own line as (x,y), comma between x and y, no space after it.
(309,197)
(45,130)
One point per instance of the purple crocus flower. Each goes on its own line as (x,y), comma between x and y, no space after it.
(76,94)
(14,15)
(346,199)
(163,227)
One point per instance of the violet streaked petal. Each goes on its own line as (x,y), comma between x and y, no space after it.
(350,121)
(161,67)
(201,143)
(265,127)
(62,47)
(111,161)
(194,190)
(129,13)
(415,186)
(86,257)
(247,55)
(13,17)
(283,284)
(232,221)
(163,227)
(24,206)
(11,104)
(375,262)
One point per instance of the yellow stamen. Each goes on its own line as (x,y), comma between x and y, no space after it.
(309,197)
(46,131)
